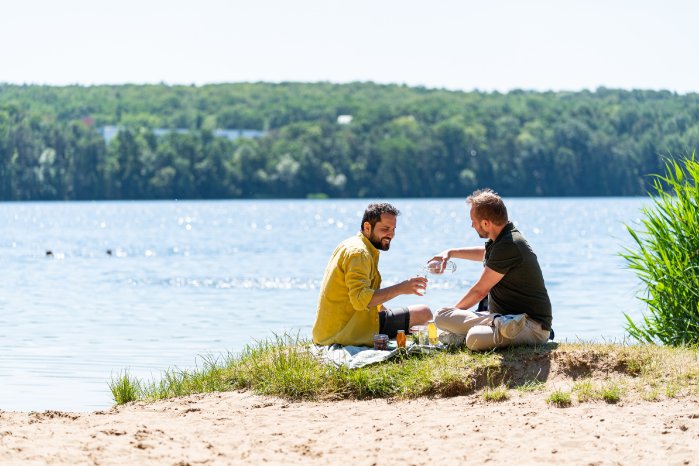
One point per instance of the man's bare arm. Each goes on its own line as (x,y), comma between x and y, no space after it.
(415,285)
(475,253)
(488,279)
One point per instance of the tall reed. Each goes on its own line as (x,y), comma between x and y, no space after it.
(666,258)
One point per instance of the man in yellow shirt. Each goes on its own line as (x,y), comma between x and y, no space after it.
(350,306)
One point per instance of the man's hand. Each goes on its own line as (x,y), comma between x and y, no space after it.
(415,285)
(438,262)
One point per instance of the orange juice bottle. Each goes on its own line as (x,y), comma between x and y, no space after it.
(400,339)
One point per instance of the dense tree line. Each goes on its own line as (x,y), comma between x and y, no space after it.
(402,141)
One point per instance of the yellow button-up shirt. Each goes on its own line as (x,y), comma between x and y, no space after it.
(350,280)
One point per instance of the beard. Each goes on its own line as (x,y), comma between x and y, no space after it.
(481,233)
(378,243)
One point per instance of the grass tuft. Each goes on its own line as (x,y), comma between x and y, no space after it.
(672,389)
(651,394)
(585,390)
(125,388)
(531,386)
(559,398)
(611,392)
(495,393)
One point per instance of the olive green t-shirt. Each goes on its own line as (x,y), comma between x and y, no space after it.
(522,289)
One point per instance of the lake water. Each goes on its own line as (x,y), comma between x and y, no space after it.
(186,279)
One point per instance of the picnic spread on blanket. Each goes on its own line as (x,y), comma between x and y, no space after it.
(420,340)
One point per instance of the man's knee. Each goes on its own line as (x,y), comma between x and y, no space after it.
(480,339)
(419,314)
(477,344)
(455,320)
(441,320)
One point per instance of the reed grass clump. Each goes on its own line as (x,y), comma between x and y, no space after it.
(666,258)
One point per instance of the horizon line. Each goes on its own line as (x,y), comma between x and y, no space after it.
(343,83)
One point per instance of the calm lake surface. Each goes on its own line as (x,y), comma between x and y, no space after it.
(190,279)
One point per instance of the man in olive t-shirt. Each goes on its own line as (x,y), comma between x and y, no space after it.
(519,309)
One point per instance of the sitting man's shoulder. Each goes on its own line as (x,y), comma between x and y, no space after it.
(354,244)
(353,247)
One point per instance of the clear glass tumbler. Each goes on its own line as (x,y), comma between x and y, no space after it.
(423,273)
(435,267)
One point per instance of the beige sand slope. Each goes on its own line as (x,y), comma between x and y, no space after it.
(240,428)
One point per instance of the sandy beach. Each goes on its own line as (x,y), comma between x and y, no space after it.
(241,428)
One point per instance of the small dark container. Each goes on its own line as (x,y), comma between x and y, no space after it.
(380,342)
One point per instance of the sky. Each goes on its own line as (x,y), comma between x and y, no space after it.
(486,45)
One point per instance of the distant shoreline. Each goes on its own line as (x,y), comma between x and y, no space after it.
(299,140)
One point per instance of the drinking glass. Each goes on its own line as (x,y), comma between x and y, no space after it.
(423,273)
(435,267)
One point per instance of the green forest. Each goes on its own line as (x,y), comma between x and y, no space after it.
(400,141)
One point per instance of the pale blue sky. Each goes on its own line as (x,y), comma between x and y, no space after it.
(486,45)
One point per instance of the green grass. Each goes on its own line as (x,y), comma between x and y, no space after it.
(666,258)
(559,398)
(651,394)
(283,367)
(531,386)
(672,389)
(125,388)
(611,392)
(495,393)
(587,390)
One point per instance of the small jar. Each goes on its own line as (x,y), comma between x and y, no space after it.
(422,336)
(400,339)
(380,342)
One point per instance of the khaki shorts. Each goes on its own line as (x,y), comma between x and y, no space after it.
(479,331)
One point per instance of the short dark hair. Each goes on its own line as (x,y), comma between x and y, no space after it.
(489,206)
(373,212)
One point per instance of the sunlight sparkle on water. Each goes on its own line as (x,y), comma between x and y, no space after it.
(168,294)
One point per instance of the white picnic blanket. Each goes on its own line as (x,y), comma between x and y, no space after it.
(354,357)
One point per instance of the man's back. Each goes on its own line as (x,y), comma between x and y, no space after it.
(522,289)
